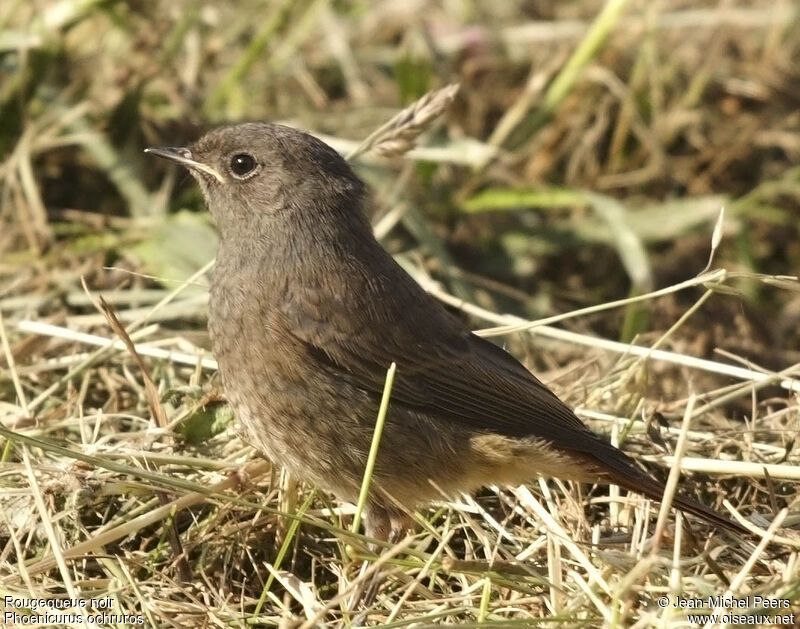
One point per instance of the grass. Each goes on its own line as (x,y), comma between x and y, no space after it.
(568,195)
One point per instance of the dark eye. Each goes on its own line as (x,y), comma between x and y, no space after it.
(242,165)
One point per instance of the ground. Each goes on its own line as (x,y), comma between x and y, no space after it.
(576,179)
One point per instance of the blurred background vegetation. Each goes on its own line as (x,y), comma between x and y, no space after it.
(585,159)
(666,111)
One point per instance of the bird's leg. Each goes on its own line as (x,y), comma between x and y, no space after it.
(378,524)
(401,524)
(387,525)
(287,503)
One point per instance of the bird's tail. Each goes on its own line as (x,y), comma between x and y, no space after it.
(634,480)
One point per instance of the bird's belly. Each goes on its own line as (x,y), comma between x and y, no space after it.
(320,429)
(300,420)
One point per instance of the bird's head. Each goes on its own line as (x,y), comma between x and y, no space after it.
(260,177)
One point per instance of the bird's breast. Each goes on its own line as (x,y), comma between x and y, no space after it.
(287,407)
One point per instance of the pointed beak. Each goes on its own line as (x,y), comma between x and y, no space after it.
(182,155)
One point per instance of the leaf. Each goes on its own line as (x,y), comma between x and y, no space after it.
(179,245)
(613,225)
(206,422)
(627,243)
(493,199)
(651,223)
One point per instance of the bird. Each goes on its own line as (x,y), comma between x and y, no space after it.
(307,311)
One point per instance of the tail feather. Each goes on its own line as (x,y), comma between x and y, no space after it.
(641,483)
(616,467)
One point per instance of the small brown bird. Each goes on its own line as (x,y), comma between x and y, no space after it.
(308,311)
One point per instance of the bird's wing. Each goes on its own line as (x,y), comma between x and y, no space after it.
(442,369)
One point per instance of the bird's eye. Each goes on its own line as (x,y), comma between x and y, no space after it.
(243,165)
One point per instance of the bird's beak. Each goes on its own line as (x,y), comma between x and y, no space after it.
(182,155)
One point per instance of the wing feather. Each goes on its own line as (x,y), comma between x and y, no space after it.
(445,370)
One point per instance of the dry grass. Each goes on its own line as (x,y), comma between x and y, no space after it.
(665,112)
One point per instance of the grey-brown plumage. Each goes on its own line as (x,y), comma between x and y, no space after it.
(308,311)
